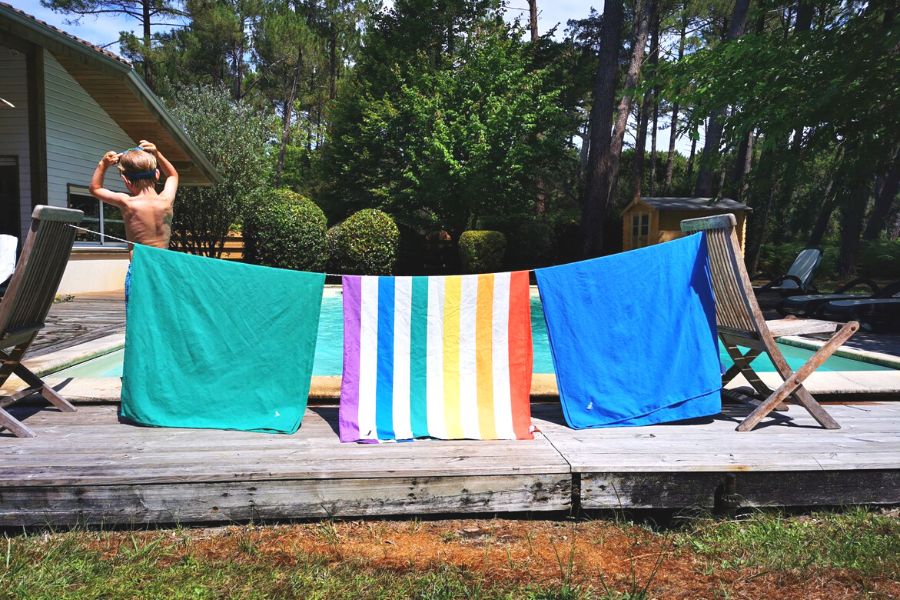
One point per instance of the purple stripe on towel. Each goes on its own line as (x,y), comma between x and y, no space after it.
(348,416)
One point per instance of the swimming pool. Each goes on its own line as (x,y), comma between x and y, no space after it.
(329,350)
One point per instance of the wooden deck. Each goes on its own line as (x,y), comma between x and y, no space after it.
(79,320)
(87,467)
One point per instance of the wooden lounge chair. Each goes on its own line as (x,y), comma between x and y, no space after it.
(27,301)
(740,323)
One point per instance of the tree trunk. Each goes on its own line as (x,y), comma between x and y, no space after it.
(792,157)
(883,202)
(288,110)
(742,165)
(829,201)
(654,60)
(646,13)
(852,212)
(239,62)
(585,148)
(332,63)
(640,142)
(595,208)
(533,19)
(704,185)
(673,134)
(805,14)
(690,162)
(821,225)
(145,18)
(764,190)
(670,157)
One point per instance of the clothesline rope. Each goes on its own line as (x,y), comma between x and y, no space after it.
(112,237)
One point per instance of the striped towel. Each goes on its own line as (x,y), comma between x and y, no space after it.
(444,357)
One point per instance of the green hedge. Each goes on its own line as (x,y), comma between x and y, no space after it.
(366,243)
(482,251)
(284,229)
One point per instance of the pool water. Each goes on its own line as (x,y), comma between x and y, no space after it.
(329,350)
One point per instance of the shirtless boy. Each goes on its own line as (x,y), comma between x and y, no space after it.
(147,214)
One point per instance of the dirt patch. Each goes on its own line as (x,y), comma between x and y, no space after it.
(594,554)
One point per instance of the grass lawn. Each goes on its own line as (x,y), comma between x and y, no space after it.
(831,555)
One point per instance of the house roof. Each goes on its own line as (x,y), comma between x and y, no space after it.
(673,203)
(113,83)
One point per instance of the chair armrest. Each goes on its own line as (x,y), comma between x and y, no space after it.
(859,281)
(780,280)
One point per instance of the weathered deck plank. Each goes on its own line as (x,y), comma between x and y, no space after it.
(788,461)
(88,467)
(94,469)
(79,320)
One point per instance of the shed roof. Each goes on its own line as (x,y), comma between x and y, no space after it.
(113,83)
(675,203)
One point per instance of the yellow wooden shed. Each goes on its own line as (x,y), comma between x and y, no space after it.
(648,221)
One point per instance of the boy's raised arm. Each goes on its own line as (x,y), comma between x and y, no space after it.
(96,188)
(171,185)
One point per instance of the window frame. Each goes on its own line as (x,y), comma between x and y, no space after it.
(102,241)
(640,229)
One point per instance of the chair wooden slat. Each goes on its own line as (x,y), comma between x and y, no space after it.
(741,323)
(28,299)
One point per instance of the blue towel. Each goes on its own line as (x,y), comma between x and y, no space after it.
(633,336)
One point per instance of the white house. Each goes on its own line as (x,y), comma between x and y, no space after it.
(63,103)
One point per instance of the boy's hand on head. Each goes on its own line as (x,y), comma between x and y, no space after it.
(148,146)
(110,158)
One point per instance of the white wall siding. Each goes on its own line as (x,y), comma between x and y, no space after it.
(78,133)
(14,125)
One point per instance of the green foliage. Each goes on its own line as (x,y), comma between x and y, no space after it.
(482,251)
(233,136)
(439,137)
(878,259)
(285,230)
(366,243)
(839,80)
(531,240)
(209,50)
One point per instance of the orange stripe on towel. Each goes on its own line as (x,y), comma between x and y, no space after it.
(520,353)
(484,323)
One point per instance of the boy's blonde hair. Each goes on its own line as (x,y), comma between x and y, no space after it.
(138,162)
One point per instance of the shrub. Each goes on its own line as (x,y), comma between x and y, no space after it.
(482,251)
(531,244)
(366,243)
(284,229)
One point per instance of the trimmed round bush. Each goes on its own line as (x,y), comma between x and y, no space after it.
(286,230)
(482,251)
(366,243)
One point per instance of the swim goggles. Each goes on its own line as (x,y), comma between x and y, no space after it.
(139,174)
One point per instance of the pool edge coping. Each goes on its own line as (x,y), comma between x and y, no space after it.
(868,356)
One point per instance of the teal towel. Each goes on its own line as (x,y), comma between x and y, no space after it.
(218,345)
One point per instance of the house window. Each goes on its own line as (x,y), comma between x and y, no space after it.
(640,229)
(99,217)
